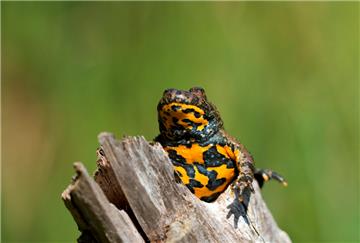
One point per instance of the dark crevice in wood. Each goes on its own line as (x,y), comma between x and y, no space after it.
(105,177)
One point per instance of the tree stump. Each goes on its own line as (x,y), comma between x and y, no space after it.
(135,197)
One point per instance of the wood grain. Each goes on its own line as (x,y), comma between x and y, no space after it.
(138,178)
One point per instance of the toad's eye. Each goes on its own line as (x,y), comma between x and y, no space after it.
(168,91)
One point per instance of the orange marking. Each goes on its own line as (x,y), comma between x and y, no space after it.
(203,191)
(237,154)
(203,179)
(223,172)
(226,173)
(230,153)
(194,154)
(183,175)
(180,115)
(223,150)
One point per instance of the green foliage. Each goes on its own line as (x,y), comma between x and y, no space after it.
(284,76)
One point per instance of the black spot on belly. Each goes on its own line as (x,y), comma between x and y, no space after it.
(189,170)
(211,198)
(175,158)
(194,183)
(213,158)
(202,169)
(213,182)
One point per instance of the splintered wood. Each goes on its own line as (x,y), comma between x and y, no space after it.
(136,198)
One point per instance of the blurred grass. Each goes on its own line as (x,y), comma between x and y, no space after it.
(284,76)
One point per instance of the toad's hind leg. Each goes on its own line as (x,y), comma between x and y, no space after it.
(263,175)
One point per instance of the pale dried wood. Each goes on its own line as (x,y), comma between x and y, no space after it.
(96,217)
(138,177)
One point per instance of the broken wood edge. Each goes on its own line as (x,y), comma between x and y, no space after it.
(137,151)
(96,217)
(105,177)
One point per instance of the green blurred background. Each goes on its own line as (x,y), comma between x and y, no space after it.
(284,76)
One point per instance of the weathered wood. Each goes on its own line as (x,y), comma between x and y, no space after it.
(139,176)
(97,218)
(168,211)
(105,177)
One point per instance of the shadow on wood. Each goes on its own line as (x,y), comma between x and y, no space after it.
(138,178)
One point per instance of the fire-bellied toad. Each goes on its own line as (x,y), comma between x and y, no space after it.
(204,156)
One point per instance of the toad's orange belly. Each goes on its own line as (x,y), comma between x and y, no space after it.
(206,185)
(206,170)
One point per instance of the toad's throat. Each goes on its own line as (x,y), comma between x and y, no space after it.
(187,116)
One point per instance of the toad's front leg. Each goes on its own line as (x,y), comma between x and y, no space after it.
(245,165)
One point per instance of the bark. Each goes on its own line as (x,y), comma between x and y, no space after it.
(151,205)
